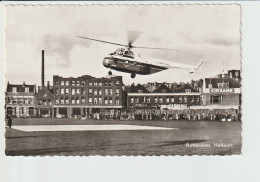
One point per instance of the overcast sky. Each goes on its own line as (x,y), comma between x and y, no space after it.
(210,30)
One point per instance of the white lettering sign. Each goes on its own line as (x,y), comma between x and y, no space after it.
(222,90)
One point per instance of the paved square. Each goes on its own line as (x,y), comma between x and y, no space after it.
(32,128)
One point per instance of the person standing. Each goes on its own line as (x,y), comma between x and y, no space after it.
(10,120)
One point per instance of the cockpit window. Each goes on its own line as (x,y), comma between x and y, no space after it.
(124,52)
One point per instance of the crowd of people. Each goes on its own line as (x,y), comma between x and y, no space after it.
(201,115)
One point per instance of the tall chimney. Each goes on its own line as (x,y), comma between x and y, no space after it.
(42,68)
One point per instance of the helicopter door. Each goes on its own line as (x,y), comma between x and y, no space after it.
(145,69)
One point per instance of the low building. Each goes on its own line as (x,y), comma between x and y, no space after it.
(87,95)
(222,93)
(44,101)
(139,98)
(20,100)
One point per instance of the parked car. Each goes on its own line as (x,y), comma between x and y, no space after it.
(46,116)
(60,116)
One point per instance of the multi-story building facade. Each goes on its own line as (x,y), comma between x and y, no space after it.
(162,97)
(87,94)
(44,101)
(20,100)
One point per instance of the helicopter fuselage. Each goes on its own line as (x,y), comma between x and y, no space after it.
(131,65)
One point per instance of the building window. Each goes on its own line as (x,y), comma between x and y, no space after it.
(73,83)
(136,99)
(110,101)
(67,100)
(27,89)
(167,99)
(62,101)
(49,101)
(140,91)
(62,90)
(39,102)
(131,100)
(90,83)
(111,91)
(143,99)
(106,91)
(99,100)
(191,99)
(44,94)
(90,100)
(100,84)
(62,83)
(56,100)
(223,85)
(148,100)
(95,100)
(155,99)
(44,102)
(67,91)
(73,91)
(77,100)
(57,82)
(82,91)
(117,101)
(160,100)
(77,83)
(172,99)
(77,91)
(106,101)
(82,99)
(117,91)
(164,91)
(117,82)
(216,99)
(106,83)
(95,83)
(185,99)
(110,84)
(82,83)
(197,99)
(14,90)
(188,90)
(90,90)
(95,91)
(56,91)
(180,99)
(72,100)
(67,83)
(99,92)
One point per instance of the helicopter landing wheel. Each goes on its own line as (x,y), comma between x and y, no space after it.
(133,75)
(110,73)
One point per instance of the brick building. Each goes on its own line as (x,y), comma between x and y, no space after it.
(20,100)
(87,95)
(44,101)
(139,98)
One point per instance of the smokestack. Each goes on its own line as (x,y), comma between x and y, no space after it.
(42,68)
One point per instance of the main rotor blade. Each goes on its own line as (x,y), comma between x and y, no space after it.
(155,48)
(132,36)
(101,41)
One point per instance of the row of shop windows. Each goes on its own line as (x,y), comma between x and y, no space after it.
(181,99)
(95,100)
(83,83)
(77,91)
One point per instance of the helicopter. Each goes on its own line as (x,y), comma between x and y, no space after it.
(125,60)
